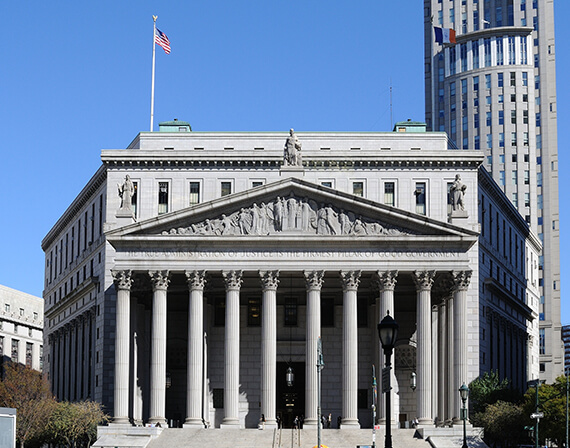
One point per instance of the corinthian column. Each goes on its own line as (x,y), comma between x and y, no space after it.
(461,283)
(386,282)
(123,281)
(196,283)
(350,281)
(159,280)
(269,282)
(233,280)
(314,283)
(424,282)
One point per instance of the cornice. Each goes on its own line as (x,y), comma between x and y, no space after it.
(70,214)
(493,32)
(510,299)
(85,287)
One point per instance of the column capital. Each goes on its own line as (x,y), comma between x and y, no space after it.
(314,279)
(350,280)
(269,280)
(386,280)
(423,280)
(461,280)
(196,280)
(159,279)
(233,279)
(122,279)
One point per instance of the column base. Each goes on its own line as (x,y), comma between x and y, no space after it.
(349,424)
(193,423)
(122,421)
(425,422)
(159,422)
(310,423)
(230,423)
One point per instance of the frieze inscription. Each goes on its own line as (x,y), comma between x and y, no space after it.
(286,254)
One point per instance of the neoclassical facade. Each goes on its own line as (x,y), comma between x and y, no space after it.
(189,282)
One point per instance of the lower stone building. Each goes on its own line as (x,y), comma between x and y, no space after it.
(190,280)
(21,328)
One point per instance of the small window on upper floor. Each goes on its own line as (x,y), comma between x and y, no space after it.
(389,193)
(226,188)
(7,307)
(358,189)
(194,193)
(21,312)
(420,193)
(162,197)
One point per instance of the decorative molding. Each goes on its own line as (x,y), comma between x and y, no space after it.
(196,280)
(423,280)
(233,279)
(159,279)
(350,280)
(386,280)
(269,280)
(122,279)
(314,279)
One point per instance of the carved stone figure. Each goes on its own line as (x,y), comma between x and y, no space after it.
(292,150)
(458,193)
(126,193)
(292,215)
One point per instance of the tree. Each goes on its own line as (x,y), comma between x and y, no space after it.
(75,424)
(503,423)
(488,389)
(28,392)
(552,403)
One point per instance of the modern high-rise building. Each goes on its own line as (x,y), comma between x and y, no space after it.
(493,88)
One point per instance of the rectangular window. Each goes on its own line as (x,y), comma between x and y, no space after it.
(542,341)
(475,52)
(487,47)
(512,53)
(514,177)
(525,116)
(524,52)
(513,139)
(162,197)
(527,199)
(389,193)
(290,312)
(487,81)
(218,398)
(475,83)
(254,312)
(501,117)
(15,344)
(226,188)
(420,193)
(476,121)
(327,312)
(499,43)
(489,141)
(463,56)
(526,177)
(194,197)
(488,118)
(515,200)
(452,88)
(29,347)
(502,178)
(358,189)
(501,139)
(500,79)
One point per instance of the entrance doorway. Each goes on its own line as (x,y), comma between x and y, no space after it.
(290,399)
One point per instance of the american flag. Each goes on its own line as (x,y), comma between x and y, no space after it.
(161,39)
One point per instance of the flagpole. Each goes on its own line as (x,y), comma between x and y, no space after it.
(152,82)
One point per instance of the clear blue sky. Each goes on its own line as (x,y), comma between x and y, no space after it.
(75,79)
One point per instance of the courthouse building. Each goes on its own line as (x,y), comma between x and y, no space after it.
(189,281)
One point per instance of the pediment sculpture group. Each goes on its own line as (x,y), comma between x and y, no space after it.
(288,215)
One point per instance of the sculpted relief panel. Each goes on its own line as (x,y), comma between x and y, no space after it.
(289,215)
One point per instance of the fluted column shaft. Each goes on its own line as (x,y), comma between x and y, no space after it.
(442,362)
(160,280)
(196,283)
(350,281)
(451,390)
(386,282)
(79,358)
(314,283)
(435,399)
(461,280)
(123,281)
(269,282)
(424,282)
(233,280)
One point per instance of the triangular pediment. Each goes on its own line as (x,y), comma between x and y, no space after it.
(291,207)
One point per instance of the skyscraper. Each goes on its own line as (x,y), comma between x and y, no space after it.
(493,88)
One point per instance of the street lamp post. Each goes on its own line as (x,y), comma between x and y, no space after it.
(387,332)
(464,393)
(320,366)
